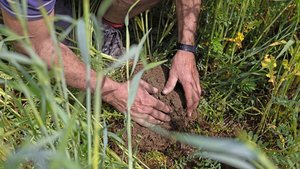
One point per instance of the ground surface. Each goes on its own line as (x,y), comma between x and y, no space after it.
(157,151)
(149,141)
(179,120)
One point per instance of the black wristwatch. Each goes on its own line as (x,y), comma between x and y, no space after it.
(188,48)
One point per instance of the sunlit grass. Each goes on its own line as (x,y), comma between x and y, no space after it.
(48,124)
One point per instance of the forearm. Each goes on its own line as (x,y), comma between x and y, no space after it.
(187,16)
(74,69)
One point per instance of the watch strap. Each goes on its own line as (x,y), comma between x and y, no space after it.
(188,48)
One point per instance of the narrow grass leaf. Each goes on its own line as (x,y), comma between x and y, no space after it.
(15,57)
(286,47)
(97,33)
(225,158)
(127,56)
(105,4)
(82,36)
(154,64)
(134,84)
(221,145)
(116,137)
(139,49)
(84,50)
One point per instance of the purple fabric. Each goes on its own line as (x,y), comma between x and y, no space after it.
(33,7)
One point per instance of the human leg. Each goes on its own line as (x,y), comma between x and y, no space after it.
(118,10)
(113,20)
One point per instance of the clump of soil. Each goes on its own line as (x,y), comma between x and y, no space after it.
(146,140)
(179,121)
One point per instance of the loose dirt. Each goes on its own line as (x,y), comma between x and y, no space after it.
(179,120)
(148,141)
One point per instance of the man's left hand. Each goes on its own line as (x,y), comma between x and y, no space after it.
(184,70)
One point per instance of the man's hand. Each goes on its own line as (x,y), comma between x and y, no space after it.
(185,71)
(146,110)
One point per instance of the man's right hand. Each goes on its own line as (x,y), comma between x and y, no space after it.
(146,110)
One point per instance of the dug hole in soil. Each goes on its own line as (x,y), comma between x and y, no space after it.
(146,140)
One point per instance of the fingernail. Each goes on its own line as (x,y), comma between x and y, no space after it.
(189,114)
(164,91)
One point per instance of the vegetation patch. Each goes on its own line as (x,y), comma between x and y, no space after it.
(249,65)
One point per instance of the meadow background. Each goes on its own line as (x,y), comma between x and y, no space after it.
(249,66)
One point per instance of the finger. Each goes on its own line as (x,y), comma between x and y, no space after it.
(194,104)
(190,98)
(159,105)
(145,120)
(170,85)
(197,82)
(153,120)
(193,107)
(199,89)
(149,88)
(142,122)
(159,115)
(198,94)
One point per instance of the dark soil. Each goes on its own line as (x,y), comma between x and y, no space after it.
(146,141)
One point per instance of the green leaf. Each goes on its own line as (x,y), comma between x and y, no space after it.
(139,49)
(83,43)
(227,159)
(134,84)
(285,48)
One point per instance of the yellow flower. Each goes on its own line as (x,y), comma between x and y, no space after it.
(271,76)
(285,64)
(238,39)
(265,63)
(269,62)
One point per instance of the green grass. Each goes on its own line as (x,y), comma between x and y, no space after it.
(249,69)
